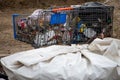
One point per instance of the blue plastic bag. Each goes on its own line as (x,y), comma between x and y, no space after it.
(58,18)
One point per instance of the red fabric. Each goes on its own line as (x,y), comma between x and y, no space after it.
(56,37)
(22,25)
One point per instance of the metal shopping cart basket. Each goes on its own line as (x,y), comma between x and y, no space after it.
(64,25)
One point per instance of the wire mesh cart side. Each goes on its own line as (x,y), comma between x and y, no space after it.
(93,20)
(64,25)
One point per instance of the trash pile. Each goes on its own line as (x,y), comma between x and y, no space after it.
(99,60)
(64,25)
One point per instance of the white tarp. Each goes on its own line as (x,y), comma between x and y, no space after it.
(98,61)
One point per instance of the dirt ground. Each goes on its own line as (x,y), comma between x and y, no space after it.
(8,45)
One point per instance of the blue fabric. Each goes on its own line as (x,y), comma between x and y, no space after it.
(79,24)
(58,18)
